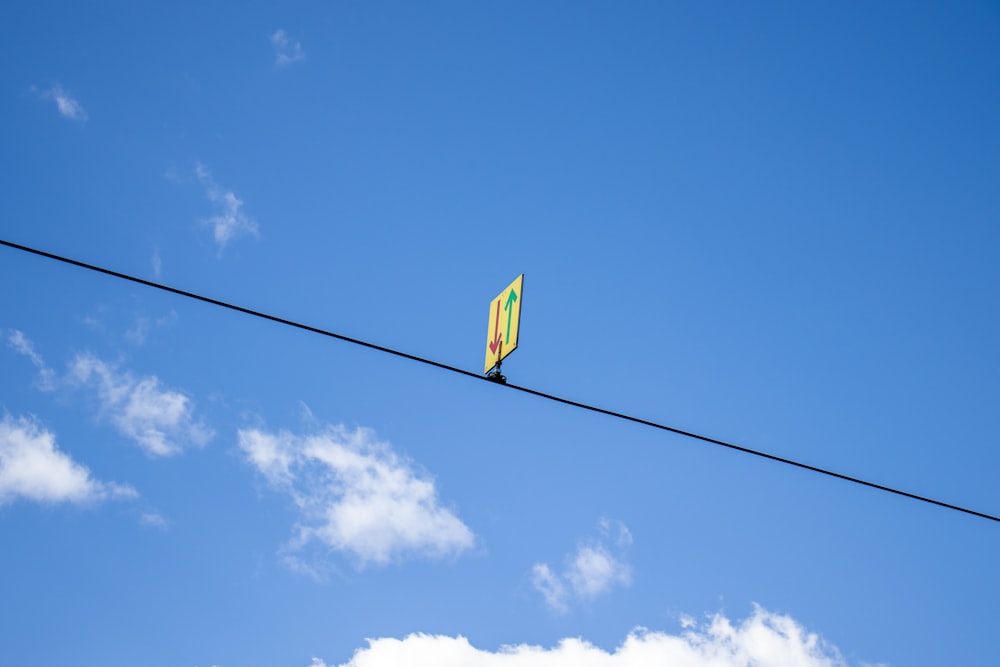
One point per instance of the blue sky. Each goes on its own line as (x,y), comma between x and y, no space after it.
(772,223)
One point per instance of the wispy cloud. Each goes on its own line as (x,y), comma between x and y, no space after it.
(355,495)
(551,586)
(157,263)
(229,222)
(68,106)
(764,639)
(33,468)
(315,569)
(595,568)
(20,343)
(139,332)
(286,50)
(158,419)
(154,520)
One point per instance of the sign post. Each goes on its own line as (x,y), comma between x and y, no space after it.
(505,320)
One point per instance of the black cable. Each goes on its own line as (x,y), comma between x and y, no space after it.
(241,309)
(533,392)
(747,450)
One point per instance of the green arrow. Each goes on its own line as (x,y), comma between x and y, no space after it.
(511,298)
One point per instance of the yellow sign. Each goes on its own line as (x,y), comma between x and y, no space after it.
(505,316)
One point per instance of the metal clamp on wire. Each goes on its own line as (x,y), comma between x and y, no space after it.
(495,376)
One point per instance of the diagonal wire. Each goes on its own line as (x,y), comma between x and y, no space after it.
(527,390)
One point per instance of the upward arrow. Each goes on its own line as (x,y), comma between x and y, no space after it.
(511,298)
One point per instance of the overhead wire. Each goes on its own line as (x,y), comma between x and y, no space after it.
(526,390)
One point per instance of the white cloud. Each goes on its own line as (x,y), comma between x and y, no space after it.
(286,50)
(356,495)
(32,467)
(159,420)
(595,571)
(68,105)
(763,640)
(230,222)
(22,345)
(596,568)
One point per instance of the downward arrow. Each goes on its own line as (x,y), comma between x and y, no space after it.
(496,331)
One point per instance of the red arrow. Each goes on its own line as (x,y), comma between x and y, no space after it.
(496,332)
